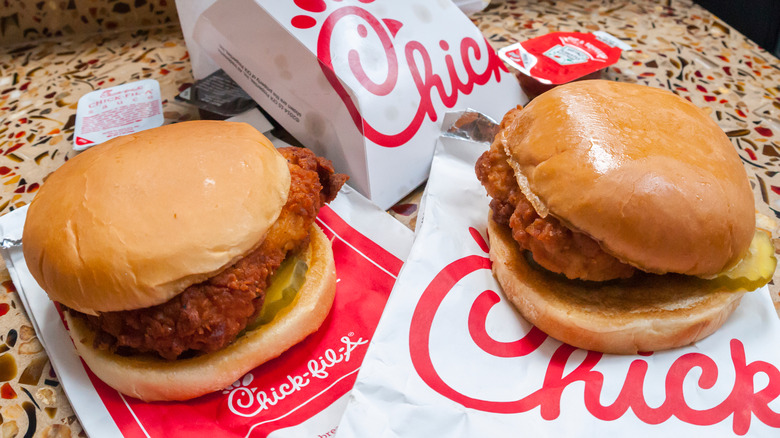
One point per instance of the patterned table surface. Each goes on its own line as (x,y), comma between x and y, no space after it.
(676,45)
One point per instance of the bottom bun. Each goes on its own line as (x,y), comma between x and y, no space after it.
(151,378)
(645,313)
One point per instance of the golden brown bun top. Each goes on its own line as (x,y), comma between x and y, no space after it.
(641,170)
(132,222)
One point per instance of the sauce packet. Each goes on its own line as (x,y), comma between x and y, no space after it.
(121,110)
(560,57)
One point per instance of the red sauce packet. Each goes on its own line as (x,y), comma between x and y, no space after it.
(560,57)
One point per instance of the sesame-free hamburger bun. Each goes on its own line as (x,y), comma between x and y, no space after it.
(132,223)
(633,174)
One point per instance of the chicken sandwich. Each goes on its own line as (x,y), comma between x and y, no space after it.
(184,256)
(621,218)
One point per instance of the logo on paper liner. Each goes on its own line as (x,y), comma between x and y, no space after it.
(744,401)
(247,401)
(446,87)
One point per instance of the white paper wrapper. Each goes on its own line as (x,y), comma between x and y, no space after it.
(369,248)
(451,357)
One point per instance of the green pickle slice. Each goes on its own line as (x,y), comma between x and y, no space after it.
(756,268)
(284,285)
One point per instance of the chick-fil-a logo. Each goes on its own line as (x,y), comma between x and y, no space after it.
(743,401)
(416,58)
(247,401)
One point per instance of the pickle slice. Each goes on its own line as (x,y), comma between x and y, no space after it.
(283,286)
(756,268)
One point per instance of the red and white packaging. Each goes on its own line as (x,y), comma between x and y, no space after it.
(301,393)
(104,114)
(560,57)
(362,82)
(451,357)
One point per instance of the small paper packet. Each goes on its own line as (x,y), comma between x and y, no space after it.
(451,356)
(218,94)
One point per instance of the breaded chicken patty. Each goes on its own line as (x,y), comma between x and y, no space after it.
(553,246)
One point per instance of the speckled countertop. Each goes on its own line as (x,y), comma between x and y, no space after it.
(676,45)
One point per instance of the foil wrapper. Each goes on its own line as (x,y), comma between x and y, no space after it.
(470,125)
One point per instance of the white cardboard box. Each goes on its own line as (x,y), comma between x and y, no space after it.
(364,83)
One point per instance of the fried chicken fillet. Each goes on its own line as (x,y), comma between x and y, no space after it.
(553,246)
(209,315)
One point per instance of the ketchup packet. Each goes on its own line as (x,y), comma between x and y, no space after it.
(111,112)
(452,357)
(560,57)
(303,392)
